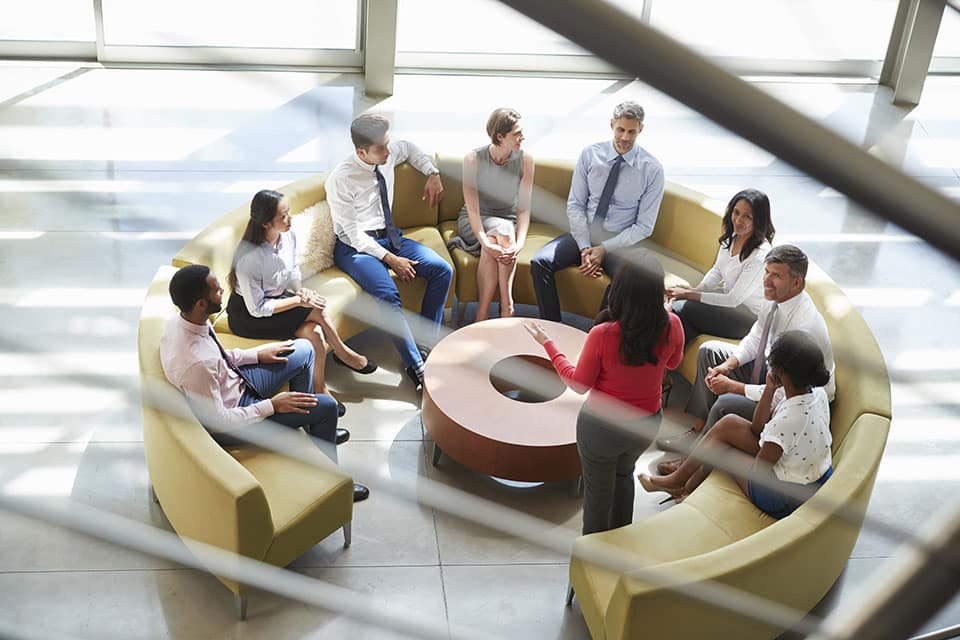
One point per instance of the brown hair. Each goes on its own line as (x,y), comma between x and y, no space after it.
(368,129)
(500,123)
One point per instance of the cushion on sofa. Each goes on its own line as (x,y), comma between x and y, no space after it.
(293,490)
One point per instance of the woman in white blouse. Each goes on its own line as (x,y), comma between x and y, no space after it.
(267,300)
(787,442)
(727,300)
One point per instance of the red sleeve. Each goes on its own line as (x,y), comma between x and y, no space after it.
(673,353)
(582,377)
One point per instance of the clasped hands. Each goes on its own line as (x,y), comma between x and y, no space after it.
(679,292)
(718,379)
(503,255)
(310,298)
(591,261)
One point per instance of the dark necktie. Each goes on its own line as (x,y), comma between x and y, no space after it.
(761,351)
(235,368)
(393,236)
(605,196)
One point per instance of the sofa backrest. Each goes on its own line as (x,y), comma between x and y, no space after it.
(861,373)
(409,208)
(216,245)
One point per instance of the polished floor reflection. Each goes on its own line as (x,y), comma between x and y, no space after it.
(104,174)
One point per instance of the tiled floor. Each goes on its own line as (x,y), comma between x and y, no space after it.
(104,174)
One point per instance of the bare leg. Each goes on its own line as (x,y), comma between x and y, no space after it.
(730,431)
(486,283)
(312,332)
(339,347)
(505,273)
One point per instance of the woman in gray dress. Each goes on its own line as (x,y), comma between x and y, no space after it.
(497,183)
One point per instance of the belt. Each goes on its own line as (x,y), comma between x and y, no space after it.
(379,234)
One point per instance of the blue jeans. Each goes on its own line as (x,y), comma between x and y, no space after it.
(374,278)
(268,379)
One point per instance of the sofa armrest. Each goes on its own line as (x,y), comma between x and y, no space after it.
(205,493)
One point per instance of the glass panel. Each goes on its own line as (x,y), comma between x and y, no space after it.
(948,40)
(284,24)
(48,20)
(473,26)
(779,29)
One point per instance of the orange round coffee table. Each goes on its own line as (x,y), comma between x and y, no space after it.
(493,402)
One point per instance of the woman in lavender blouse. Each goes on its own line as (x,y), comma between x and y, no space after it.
(267,299)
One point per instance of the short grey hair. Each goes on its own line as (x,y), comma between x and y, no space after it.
(629,109)
(795,259)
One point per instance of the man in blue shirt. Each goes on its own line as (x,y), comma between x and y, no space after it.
(613,204)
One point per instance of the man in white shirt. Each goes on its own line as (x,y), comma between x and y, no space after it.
(360,194)
(730,377)
(229,391)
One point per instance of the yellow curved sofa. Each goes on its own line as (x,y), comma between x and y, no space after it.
(716,534)
(256,503)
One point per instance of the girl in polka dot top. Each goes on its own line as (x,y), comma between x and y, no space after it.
(788,440)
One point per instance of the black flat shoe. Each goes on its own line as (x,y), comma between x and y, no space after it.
(360,492)
(369,368)
(342,435)
(341,409)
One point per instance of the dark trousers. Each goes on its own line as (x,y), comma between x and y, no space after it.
(561,253)
(608,456)
(724,322)
(703,403)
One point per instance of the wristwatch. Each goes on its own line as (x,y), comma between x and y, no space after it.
(433,172)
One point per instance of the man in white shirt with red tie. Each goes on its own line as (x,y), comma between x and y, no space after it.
(231,390)
(360,195)
(730,377)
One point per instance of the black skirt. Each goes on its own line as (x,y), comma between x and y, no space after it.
(279,326)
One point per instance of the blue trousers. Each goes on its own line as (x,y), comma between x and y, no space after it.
(373,277)
(268,379)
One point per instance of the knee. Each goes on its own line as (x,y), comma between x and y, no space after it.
(303,347)
(541,263)
(444,271)
(318,338)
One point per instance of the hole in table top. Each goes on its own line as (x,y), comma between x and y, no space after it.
(526,379)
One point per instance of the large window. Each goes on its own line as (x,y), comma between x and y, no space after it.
(760,35)
(279,24)
(948,40)
(47,20)
(823,30)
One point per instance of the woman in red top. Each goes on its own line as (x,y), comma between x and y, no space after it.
(622,365)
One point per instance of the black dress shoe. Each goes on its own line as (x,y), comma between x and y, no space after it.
(360,492)
(342,435)
(341,409)
(370,368)
(417,383)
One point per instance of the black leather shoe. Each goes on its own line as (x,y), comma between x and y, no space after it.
(341,409)
(360,492)
(342,435)
(417,383)
(414,377)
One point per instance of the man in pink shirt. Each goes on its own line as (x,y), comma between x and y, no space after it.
(231,390)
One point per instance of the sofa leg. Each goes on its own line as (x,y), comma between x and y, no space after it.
(347,531)
(153,495)
(461,309)
(437,452)
(240,600)
(569,594)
